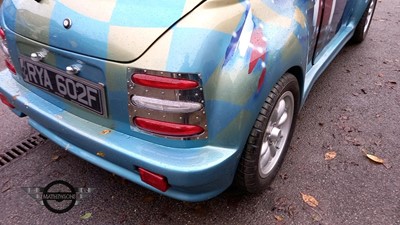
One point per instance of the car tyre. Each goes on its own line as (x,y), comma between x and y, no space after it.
(363,26)
(270,137)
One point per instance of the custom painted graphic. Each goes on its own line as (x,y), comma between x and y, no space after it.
(183,97)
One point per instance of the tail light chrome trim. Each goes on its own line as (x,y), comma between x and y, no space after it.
(165,105)
(179,105)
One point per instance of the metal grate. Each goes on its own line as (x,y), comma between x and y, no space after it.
(21,148)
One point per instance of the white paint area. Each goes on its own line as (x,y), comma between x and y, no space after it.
(316,11)
(332,11)
(245,37)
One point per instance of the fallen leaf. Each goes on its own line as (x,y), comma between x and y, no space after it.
(86,216)
(101,154)
(278,218)
(104,132)
(373,158)
(330,155)
(310,200)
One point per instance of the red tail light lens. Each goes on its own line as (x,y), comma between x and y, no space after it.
(167,128)
(5,101)
(10,66)
(163,82)
(155,180)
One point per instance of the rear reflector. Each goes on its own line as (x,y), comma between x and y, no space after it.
(10,66)
(2,34)
(5,101)
(165,105)
(167,128)
(155,180)
(163,82)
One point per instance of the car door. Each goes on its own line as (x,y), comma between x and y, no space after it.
(329,16)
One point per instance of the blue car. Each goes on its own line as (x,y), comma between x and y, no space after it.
(183,97)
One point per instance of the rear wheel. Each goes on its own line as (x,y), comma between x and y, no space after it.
(270,137)
(363,26)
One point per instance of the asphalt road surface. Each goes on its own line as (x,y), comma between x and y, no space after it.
(354,107)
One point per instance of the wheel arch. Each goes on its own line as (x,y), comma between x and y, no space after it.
(297,71)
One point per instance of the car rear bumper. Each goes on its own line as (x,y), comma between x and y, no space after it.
(194,174)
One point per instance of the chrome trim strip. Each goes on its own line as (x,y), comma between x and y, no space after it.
(165,105)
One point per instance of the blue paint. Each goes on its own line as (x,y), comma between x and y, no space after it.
(150,13)
(95,40)
(197,50)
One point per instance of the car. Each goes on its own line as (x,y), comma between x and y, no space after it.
(183,97)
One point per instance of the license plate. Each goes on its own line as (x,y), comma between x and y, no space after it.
(75,89)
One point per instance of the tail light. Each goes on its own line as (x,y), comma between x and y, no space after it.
(167,128)
(163,82)
(10,66)
(5,101)
(167,104)
(4,48)
(2,34)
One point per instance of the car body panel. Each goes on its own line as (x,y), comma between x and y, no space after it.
(103,32)
(240,49)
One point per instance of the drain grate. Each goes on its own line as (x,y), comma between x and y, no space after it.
(21,148)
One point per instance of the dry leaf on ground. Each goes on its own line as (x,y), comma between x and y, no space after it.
(55,157)
(86,216)
(310,200)
(278,218)
(330,155)
(373,158)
